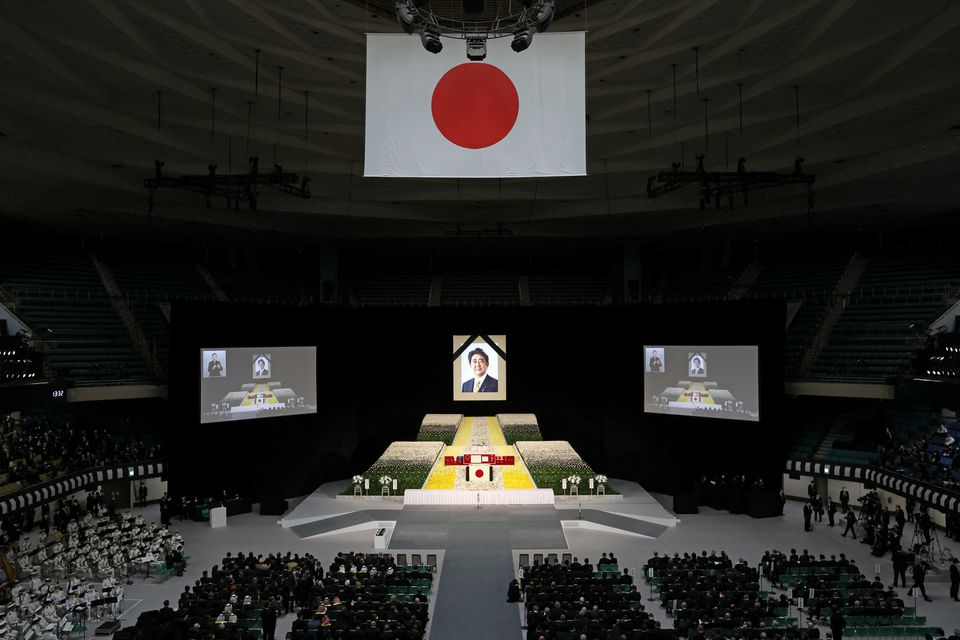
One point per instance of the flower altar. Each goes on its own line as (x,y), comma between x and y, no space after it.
(406,462)
(519,427)
(552,461)
(439,427)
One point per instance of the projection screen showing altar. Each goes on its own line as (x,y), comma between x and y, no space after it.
(244,383)
(480,367)
(702,381)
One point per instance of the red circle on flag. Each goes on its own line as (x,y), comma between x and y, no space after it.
(479,473)
(475,105)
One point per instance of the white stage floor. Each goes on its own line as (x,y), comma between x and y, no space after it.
(633,503)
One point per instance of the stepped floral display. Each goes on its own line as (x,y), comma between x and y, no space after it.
(439,427)
(441,455)
(519,427)
(550,462)
(406,462)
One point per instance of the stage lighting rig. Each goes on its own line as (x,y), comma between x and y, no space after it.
(431,40)
(476,49)
(522,39)
(475,21)
(715,185)
(232,187)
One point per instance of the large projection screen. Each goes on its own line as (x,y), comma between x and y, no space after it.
(245,383)
(702,381)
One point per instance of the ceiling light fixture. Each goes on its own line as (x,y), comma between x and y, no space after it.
(475,23)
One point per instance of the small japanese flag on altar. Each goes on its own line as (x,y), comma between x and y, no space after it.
(480,473)
(511,115)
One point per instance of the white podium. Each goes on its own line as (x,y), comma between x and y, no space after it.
(381,538)
(218,517)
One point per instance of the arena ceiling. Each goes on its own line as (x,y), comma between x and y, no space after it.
(877,83)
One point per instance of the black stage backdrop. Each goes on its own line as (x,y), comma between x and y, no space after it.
(379,370)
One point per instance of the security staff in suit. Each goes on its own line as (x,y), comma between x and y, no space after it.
(481,382)
(837,624)
(851,525)
(954,579)
(919,575)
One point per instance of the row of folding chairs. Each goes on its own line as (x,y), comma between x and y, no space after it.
(416,560)
(539,558)
(892,632)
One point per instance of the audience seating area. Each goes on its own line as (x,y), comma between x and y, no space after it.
(566,599)
(869,608)
(887,315)
(711,595)
(930,453)
(698,287)
(360,594)
(61,583)
(402,286)
(83,337)
(171,279)
(800,278)
(480,286)
(567,286)
(283,288)
(34,450)
(74,323)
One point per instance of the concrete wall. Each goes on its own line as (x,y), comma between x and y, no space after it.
(798,489)
(116,392)
(841,390)
(156,487)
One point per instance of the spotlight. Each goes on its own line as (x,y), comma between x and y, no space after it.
(545,15)
(431,41)
(522,39)
(476,49)
(406,17)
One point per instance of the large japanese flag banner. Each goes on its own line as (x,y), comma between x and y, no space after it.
(439,115)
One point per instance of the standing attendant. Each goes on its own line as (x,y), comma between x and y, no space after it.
(919,574)
(954,580)
(818,507)
(844,500)
(807,514)
(831,511)
(851,525)
(901,560)
(268,620)
(901,519)
(837,624)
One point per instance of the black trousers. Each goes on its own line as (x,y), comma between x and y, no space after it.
(900,574)
(954,588)
(851,528)
(923,591)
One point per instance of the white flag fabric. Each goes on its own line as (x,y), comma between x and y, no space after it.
(513,115)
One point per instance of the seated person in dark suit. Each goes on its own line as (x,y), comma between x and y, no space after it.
(481,382)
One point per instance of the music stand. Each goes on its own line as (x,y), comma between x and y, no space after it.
(106,601)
